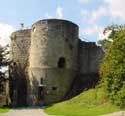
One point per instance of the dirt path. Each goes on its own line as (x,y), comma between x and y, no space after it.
(25,112)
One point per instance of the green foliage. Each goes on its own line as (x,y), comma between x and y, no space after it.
(111,31)
(105,43)
(90,103)
(114,29)
(3,63)
(3,56)
(4,110)
(113,67)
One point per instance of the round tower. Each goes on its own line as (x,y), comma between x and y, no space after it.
(19,54)
(53,60)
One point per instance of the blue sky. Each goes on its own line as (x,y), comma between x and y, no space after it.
(91,15)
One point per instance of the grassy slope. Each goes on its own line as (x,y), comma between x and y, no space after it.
(4,110)
(89,103)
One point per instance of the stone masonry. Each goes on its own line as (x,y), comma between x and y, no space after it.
(47,59)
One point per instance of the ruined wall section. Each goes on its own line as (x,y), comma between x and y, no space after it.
(90,57)
(95,57)
(19,54)
(53,41)
(49,62)
(20,44)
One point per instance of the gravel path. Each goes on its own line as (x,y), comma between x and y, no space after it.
(40,112)
(121,113)
(25,112)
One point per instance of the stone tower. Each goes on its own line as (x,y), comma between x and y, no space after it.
(49,63)
(53,60)
(20,44)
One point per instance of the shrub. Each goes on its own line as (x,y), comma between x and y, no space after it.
(112,69)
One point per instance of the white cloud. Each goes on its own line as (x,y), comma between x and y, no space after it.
(84,1)
(59,12)
(116,8)
(104,36)
(113,9)
(5,32)
(96,30)
(93,29)
(97,14)
(91,17)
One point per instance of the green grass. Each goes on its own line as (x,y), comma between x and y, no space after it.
(89,103)
(4,110)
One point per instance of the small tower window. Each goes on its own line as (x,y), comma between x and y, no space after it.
(34,29)
(61,62)
(54,88)
(1,88)
(14,63)
(41,81)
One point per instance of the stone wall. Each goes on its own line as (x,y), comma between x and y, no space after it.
(54,43)
(90,56)
(50,62)
(89,59)
(20,44)
(19,55)
(4,92)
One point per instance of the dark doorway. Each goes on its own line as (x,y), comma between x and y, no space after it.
(40,95)
(21,93)
(61,62)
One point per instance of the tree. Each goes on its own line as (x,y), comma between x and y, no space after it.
(104,43)
(3,61)
(112,69)
(111,31)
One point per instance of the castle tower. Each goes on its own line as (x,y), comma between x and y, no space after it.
(53,60)
(19,54)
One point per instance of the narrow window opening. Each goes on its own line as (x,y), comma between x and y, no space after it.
(61,62)
(54,88)
(70,46)
(41,81)
(66,39)
(40,93)
(14,63)
(34,29)
(1,88)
